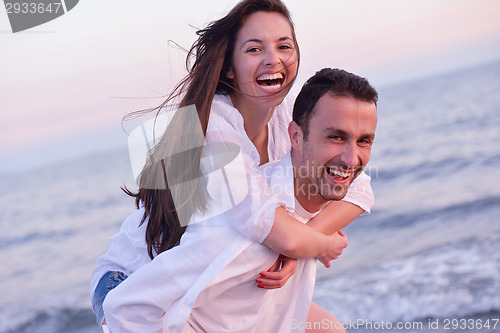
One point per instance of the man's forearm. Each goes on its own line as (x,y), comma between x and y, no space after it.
(335,216)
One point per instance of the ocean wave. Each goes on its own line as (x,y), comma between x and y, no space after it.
(55,320)
(455,212)
(6,242)
(451,280)
(415,168)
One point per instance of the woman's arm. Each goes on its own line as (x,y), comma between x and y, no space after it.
(294,239)
(334,217)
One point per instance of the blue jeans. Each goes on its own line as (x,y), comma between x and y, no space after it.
(108,282)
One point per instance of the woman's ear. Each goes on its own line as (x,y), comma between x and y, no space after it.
(230,73)
(296,135)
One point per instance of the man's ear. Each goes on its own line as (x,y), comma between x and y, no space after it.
(296,135)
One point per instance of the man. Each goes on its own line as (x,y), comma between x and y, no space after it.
(331,135)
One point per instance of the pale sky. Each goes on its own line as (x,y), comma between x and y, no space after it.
(65,85)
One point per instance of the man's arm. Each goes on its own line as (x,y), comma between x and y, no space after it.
(335,216)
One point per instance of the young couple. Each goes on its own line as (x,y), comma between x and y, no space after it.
(215,275)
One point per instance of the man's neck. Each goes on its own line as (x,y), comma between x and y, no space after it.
(311,203)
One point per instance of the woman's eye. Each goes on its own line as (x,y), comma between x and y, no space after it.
(253,49)
(285,47)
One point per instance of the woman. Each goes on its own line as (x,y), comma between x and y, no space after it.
(245,64)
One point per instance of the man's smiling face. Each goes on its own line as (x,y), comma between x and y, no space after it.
(336,149)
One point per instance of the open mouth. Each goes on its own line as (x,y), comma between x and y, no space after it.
(271,81)
(337,174)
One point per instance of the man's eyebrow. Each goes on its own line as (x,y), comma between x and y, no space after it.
(369,136)
(256,40)
(340,132)
(332,130)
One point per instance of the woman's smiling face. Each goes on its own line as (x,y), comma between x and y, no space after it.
(265,59)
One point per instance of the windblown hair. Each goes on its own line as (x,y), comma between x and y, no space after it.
(208,62)
(336,82)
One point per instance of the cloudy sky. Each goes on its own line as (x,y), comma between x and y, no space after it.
(65,85)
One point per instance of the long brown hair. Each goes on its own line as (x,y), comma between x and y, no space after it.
(208,62)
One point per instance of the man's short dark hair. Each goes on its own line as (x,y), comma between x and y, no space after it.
(337,83)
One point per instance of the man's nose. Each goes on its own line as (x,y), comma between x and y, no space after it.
(350,156)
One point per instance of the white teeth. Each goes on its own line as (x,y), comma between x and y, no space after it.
(339,173)
(270,82)
(276,86)
(274,76)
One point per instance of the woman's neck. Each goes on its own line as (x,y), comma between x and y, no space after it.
(255,119)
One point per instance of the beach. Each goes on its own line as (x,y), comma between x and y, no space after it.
(429,253)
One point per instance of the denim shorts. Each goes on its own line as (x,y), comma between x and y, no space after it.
(108,282)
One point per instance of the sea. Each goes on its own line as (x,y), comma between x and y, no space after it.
(427,259)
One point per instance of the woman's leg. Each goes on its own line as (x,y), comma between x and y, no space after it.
(322,321)
(108,282)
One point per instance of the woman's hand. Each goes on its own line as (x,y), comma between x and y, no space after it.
(279,273)
(338,244)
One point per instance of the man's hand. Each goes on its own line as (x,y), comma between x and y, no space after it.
(338,244)
(277,275)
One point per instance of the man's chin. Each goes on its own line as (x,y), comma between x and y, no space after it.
(334,193)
